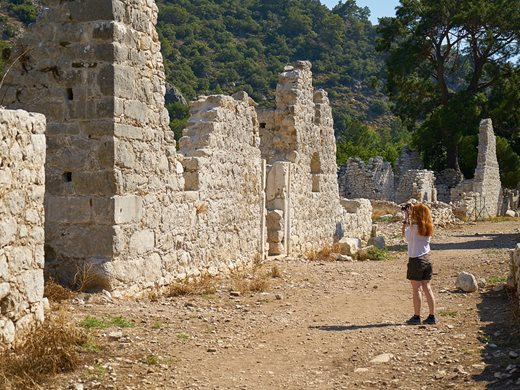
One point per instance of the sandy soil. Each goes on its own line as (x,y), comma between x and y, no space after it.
(319,326)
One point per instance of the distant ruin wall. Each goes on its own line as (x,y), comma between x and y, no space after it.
(487,175)
(417,184)
(373,181)
(22,180)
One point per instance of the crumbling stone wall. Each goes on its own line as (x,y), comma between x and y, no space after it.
(299,132)
(124,208)
(417,184)
(373,181)
(95,70)
(481,196)
(223,176)
(22,180)
(446,181)
(407,160)
(514,270)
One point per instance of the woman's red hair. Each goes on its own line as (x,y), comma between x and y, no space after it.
(422,216)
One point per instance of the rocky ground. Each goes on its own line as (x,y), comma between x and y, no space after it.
(319,325)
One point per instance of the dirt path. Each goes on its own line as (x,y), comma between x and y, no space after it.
(319,326)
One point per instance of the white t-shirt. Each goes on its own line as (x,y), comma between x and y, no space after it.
(417,245)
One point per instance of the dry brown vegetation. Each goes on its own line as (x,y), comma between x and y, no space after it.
(55,292)
(324,254)
(203,285)
(50,349)
(89,278)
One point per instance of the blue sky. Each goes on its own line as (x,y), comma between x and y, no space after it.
(378,8)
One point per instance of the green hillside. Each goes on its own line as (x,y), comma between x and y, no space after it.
(213,46)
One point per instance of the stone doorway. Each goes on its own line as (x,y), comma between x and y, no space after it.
(278,205)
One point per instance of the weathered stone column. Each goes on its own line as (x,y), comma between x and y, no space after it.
(486,181)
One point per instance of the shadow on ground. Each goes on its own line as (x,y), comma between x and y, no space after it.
(482,241)
(500,336)
(344,328)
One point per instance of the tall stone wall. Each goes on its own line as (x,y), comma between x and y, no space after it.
(486,181)
(95,70)
(481,197)
(373,181)
(407,160)
(22,181)
(123,207)
(300,133)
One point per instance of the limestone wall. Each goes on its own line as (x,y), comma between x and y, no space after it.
(300,133)
(481,197)
(373,181)
(123,207)
(223,187)
(417,184)
(407,160)
(487,176)
(22,180)
(514,270)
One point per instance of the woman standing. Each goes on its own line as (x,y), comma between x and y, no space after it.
(417,231)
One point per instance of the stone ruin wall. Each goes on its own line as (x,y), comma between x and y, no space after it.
(95,70)
(514,270)
(373,181)
(22,181)
(223,173)
(123,206)
(297,141)
(417,184)
(481,197)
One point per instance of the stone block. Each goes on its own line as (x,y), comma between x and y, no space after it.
(33,285)
(5,288)
(8,230)
(378,242)
(66,209)
(275,236)
(102,210)
(349,246)
(94,183)
(128,209)
(466,282)
(142,241)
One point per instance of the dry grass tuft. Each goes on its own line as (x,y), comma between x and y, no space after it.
(327,253)
(275,272)
(55,292)
(203,285)
(201,208)
(89,278)
(254,281)
(50,349)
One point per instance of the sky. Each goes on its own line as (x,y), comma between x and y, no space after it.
(378,8)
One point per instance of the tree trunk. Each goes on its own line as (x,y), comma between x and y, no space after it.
(452,151)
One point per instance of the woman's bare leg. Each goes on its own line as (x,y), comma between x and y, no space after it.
(429,296)
(416,294)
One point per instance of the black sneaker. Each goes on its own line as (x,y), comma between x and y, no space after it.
(415,320)
(430,320)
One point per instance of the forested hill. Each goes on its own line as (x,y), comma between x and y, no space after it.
(223,46)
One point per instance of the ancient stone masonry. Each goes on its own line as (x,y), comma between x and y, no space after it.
(375,181)
(514,273)
(123,208)
(22,180)
(417,184)
(297,141)
(481,196)
(407,160)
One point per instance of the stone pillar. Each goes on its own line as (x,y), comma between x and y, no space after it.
(22,181)
(486,181)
